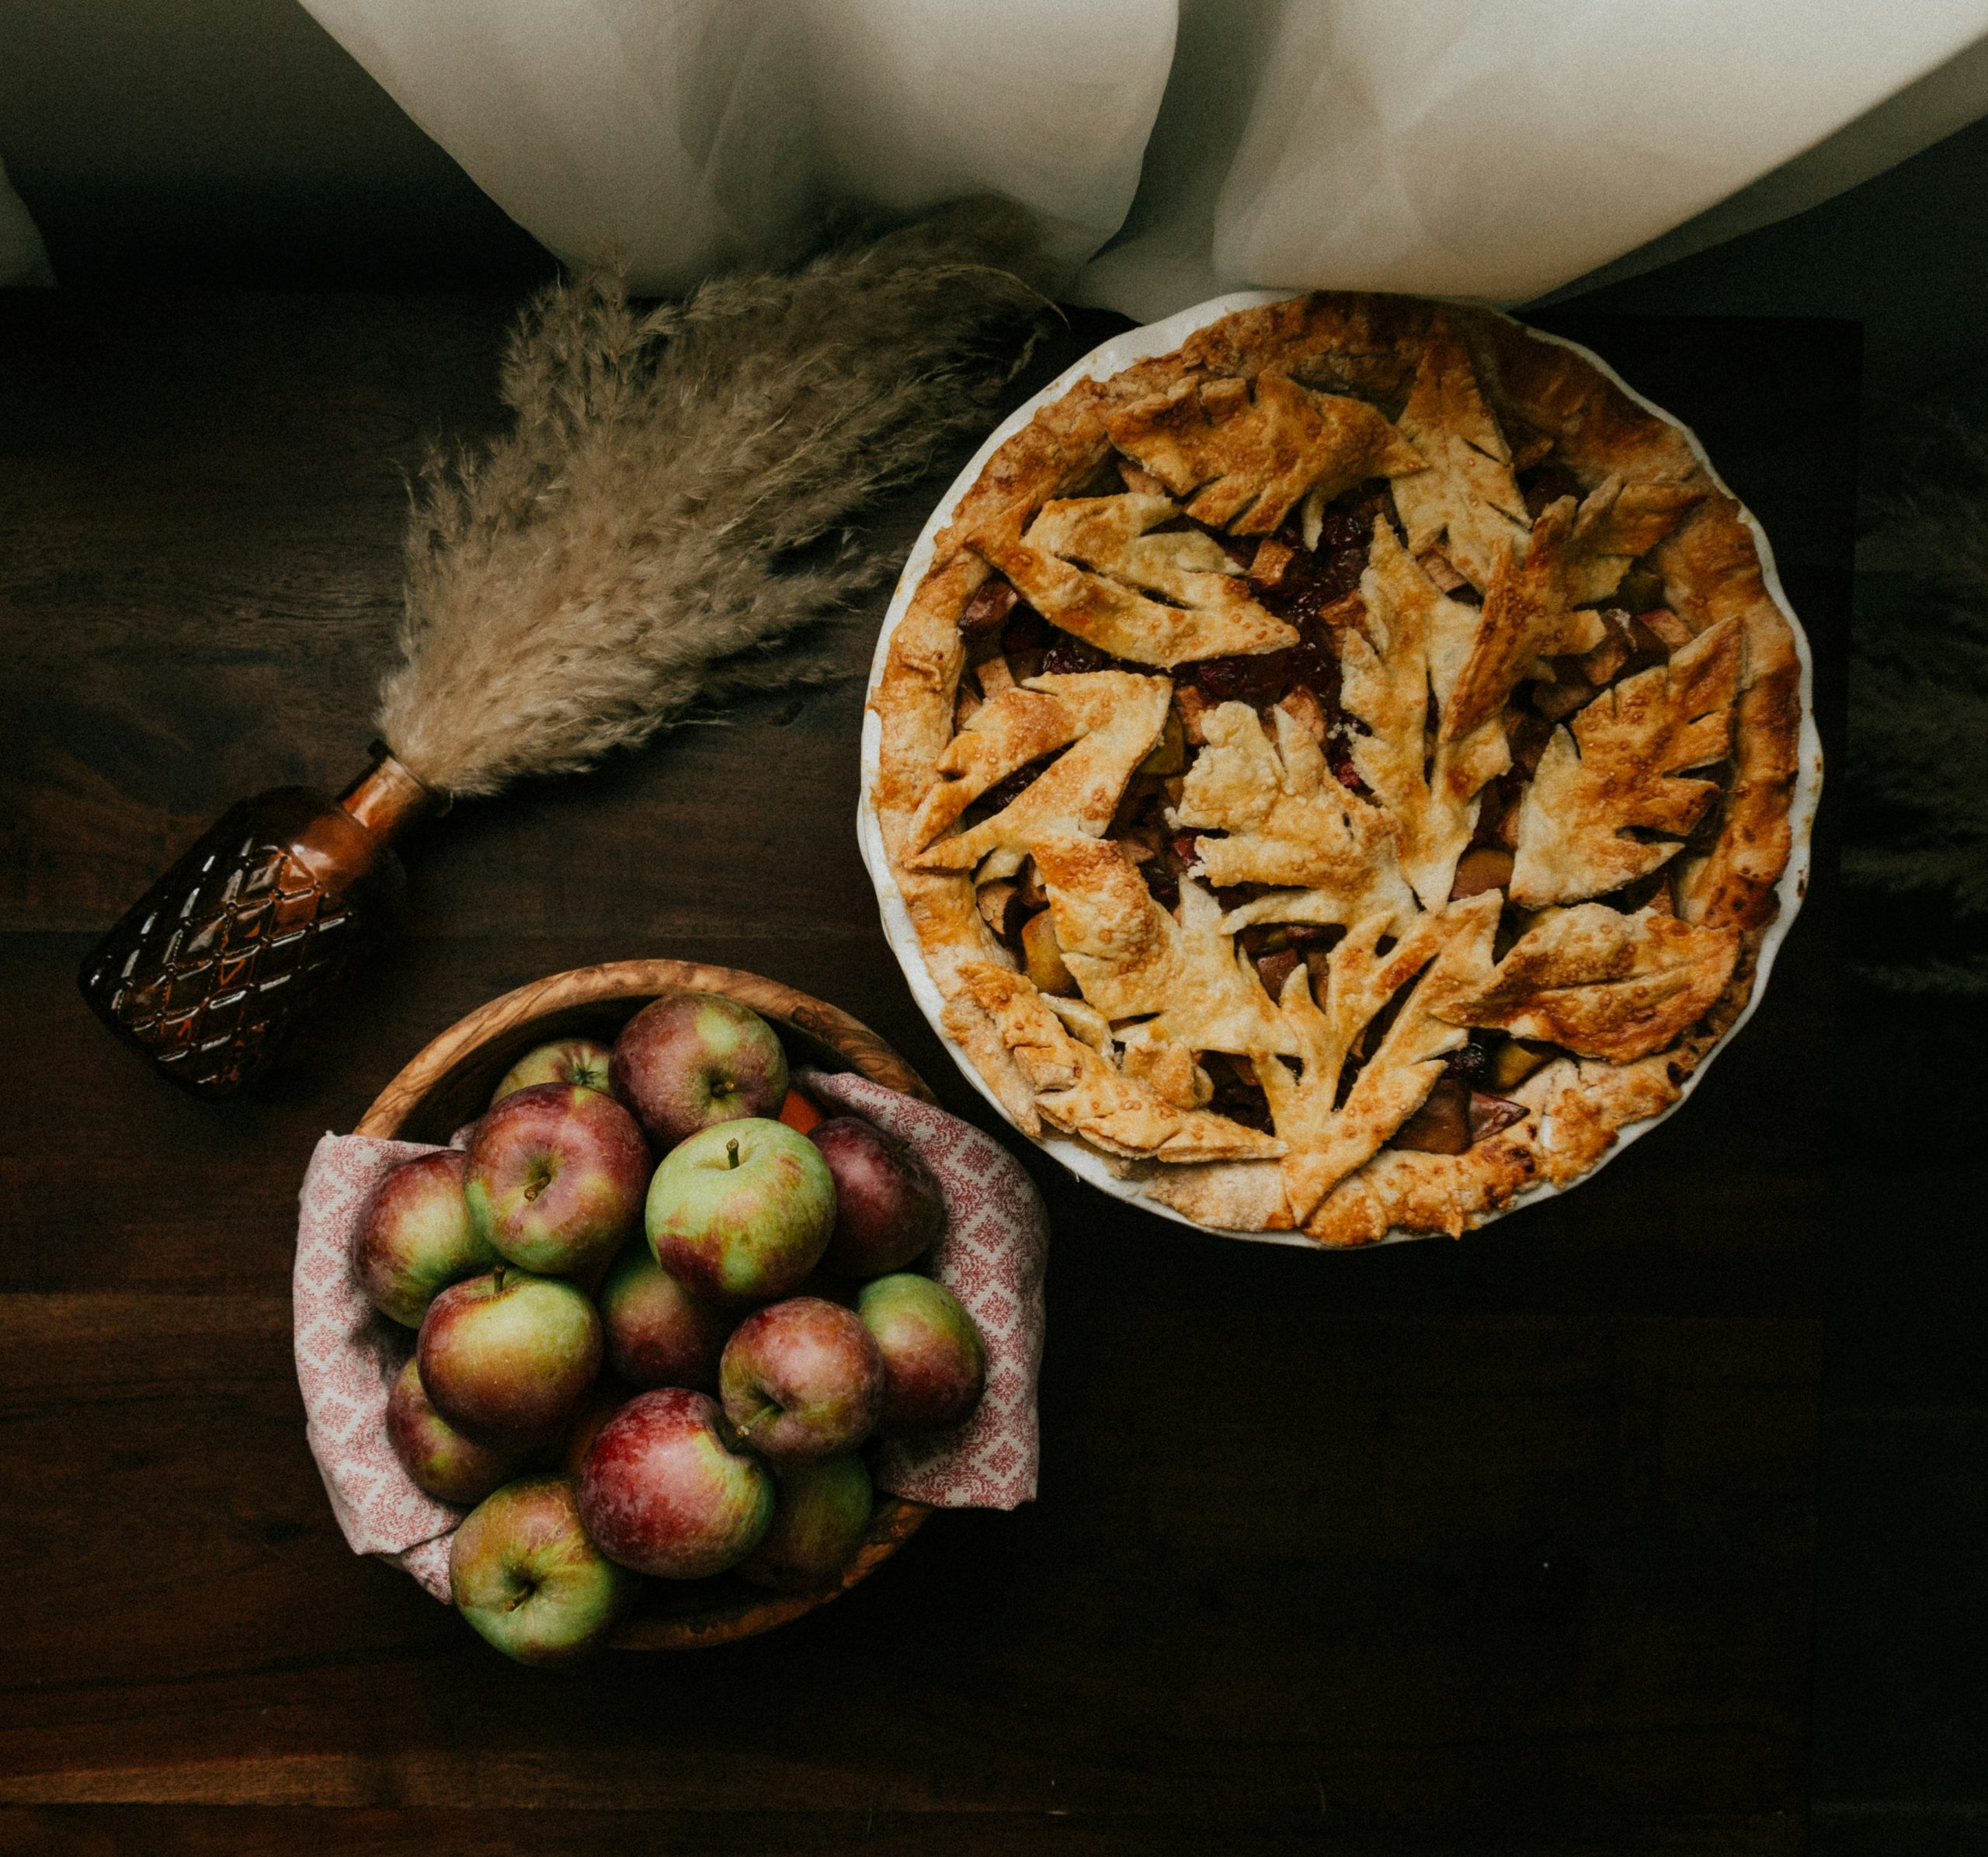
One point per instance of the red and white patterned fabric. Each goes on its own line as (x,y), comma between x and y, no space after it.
(992,1258)
(347,1357)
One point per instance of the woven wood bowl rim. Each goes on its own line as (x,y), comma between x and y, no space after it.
(610,983)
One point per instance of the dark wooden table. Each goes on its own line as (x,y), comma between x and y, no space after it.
(1499,1545)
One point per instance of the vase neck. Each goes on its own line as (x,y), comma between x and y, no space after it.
(387,796)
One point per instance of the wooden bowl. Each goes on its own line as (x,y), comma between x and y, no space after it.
(448,1084)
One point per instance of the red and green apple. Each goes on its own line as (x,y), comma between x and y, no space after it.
(555,1177)
(665,1490)
(935,1364)
(742,1212)
(889,1206)
(449,1466)
(523,1570)
(802,1380)
(657,1333)
(507,1358)
(419,1237)
(821,1515)
(690,1060)
(582,1061)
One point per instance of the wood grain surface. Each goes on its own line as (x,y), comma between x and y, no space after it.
(1499,1545)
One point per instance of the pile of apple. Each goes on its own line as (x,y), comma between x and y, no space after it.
(761,1259)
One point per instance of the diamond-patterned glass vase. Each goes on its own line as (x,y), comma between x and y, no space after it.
(208,973)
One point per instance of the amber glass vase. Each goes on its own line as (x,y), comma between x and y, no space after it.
(210,970)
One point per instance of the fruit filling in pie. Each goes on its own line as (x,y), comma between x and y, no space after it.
(1339,771)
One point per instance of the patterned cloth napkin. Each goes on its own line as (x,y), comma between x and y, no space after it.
(991,1257)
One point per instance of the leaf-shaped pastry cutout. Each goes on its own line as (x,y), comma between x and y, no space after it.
(1621,769)
(1173,1070)
(1217,1002)
(1468,494)
(1002,736)
(1083,1021)
(1611,535)
(1246,460)
(1325,1143)
(1120,537)
(1603,984)
(1081,1094)
(1537,607)
(1396,670)
(1122,949)
(1238,777)
(1318,908)
(1120,715)
(1246,1196)
(1288,821)
(1090,564)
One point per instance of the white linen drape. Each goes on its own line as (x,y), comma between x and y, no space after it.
(1489,148)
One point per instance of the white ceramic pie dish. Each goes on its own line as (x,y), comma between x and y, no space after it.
(1109,358)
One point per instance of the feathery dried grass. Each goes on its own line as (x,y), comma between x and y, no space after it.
(1915,856)
(666,520)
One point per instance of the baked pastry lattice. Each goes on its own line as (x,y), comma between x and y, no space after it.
(1340,770)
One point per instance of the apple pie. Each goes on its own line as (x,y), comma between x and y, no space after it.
(1340,770)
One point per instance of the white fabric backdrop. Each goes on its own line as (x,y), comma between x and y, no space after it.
(1492,148)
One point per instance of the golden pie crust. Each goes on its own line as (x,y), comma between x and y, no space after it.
(1503,879)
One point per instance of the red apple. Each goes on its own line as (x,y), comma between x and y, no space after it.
(417,1237)
(935,1364)
(741,1212)
(507,1358)
(555,1178)
(522,1571)
(450,1467)
(665,1491)
(821,1515)
(581,1061)
(888,1207)
(689,1060)
(802,1381)
(658,1334)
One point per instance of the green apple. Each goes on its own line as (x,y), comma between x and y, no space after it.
(523,1571)
(742,1212)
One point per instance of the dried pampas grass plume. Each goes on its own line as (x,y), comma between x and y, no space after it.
(668,514)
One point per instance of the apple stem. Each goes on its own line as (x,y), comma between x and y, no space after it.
(731,1153)
(497,1279)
